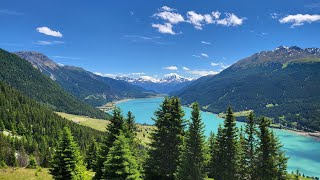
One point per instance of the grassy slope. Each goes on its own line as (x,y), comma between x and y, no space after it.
(100,124)
(30,174)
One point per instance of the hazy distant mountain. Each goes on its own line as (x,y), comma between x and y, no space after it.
(89,87)
(284,83)
(170,82)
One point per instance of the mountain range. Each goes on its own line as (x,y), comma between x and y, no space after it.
(87,86)
(169,83)
(282,84)
(19,74)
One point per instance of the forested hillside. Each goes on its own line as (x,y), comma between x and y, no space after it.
(29,128)
(283,84)
(87,86)
(20,74)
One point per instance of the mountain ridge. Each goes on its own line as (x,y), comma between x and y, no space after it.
(87,86)
(282,84)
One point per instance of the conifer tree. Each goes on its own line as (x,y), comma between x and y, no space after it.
(92,155)
(131,124)
(211,143)
(120,162)
(217,157)
(250,148)
(67,162)
(167,140)
(192,165)
(113,129)
(1,125)
(229,147)
(241,150)
(272,162)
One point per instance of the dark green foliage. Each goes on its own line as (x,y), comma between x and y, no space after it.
(116,125)
(192,166)
(294,90)
(32,162)
(120,162)
(271,159)
(67,162)
(85,85)
(37,126)
(228,149)
(20,74)
(249,146)
(165,147)
(92,155)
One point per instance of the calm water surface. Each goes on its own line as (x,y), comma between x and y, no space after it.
(304,152)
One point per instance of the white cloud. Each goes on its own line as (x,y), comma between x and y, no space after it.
(274,15)
(172,68)
(204,55)
(171,17)
(166,8)
(230,20)
(203,72)
(49,32)
(106,74)
(300,19)
(206,42)
(49,42)
(197,56)
(216,14)
(164,28)
(185,69)
(198,20)
(223,66)
(216,64)
(65,57)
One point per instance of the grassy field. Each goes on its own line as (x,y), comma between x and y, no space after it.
(31,174)
(100,124)
(236,114)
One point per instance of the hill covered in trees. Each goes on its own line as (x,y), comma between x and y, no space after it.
(29,128)
(282,84)
(87,86)
(21,75)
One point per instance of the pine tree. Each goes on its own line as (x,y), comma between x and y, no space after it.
(229,147)
(92,155)
(32,162)
(120,163)
(250,148)
(167,140)
(131,124)
(67,162)
(211,145)
(217,157)
(271,159)
(113,129)
(241,150)
(192,165)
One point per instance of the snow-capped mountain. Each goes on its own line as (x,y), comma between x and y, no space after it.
(170,82)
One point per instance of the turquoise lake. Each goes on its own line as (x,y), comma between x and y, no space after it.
(304,152)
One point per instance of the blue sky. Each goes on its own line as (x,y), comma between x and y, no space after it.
(154,38)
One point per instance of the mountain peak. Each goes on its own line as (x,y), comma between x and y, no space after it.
(37,59)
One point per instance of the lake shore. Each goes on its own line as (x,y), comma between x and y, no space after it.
(315,134)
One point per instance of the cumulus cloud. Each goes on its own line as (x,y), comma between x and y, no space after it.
(172,68)
(274,15)
(206,42)
(164,28)
(230,20)
(216,14)
(49,32)
(166,8)
(300,19)
(198,20)
(216,64)
(185,68)
(49,42)
(169,16)
(222,65)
